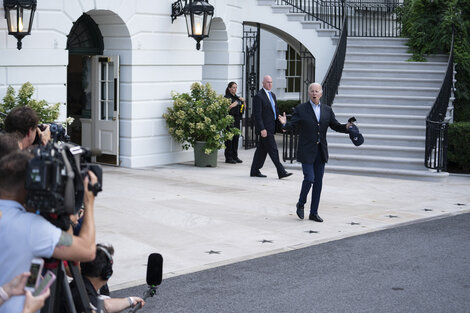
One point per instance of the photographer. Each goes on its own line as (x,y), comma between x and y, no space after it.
(25,235)
(95,275)
(23,121)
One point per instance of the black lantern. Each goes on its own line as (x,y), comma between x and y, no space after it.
(19,15)
(198,14)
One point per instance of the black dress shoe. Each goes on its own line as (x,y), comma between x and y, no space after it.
(300,210)
(238,160)
(315,217)
(285,175)
(231,161)
(258,175)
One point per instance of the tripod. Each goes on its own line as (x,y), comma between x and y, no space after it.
(61,289)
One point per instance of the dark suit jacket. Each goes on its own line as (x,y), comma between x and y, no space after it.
(312,134)
(263,112)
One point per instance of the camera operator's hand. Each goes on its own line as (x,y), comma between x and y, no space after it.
(33,304)
(92,180)
(44,135)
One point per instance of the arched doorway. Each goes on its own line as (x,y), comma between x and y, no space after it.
(93,93)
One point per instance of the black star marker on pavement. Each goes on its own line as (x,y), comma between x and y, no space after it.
(312,231)
(392,216)
(354,223)
(213,252)
(266,241)
(427,210)
(460,204)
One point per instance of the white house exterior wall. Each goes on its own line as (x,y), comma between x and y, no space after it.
(156,57)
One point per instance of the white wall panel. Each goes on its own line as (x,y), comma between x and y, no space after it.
(53,20)
(37,75)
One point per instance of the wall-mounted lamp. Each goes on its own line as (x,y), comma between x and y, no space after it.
(198,14)
(19,15)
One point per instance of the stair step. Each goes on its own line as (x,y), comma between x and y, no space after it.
(380,65)
(384,119)
(393,73)
(424,174)
(385,99)
(381,139)
(395,129)
(281,9)
(355,48)
(388,90)
(376,161)
(391,81)
(294,16)
(377,41)
(266,2)
(326,32)
(354,109)
(376,150)
(311,24)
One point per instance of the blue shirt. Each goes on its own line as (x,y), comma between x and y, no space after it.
(23,236)
(316,109)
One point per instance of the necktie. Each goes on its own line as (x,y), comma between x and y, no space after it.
(272,103)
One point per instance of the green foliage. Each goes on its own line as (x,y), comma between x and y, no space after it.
(201,115)
(46,113)
(428,24)
(458,153)
(287,106)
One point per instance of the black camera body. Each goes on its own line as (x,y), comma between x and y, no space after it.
(54,181)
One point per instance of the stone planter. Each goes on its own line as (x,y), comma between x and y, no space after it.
(201,159)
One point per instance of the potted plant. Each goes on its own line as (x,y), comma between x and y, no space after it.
(200,119)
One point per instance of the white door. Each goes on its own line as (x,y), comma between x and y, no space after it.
(105,108)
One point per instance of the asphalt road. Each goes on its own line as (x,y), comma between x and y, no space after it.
(422,267)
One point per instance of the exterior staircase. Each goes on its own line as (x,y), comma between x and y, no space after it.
(390,99)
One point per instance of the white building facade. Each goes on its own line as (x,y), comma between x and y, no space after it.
(118,87)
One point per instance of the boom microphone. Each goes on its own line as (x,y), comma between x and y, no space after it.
(154,269)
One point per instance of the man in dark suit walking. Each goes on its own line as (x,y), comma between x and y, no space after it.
(265,114)
(312,120)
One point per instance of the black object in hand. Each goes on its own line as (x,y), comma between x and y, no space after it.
(352,119)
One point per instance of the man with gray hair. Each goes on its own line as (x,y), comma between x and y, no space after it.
(312,120)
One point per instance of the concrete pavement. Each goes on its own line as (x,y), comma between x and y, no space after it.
(199,218)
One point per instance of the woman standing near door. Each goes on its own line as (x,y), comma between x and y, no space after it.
(237,105)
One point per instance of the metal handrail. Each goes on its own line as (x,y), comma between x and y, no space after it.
(436,125)
(335,71)
(367,18)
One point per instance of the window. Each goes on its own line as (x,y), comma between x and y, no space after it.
(293,71)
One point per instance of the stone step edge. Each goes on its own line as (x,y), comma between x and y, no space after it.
(397,173)
(392,116)
(390,79)
(393,62)
(392,97)
(376,147)
(382,106)
(353,157)
(425,173)
(383,136)
(389,87)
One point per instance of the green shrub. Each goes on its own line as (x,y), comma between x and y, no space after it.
(46,113)
(428,24)
(458,154)
(200,115)
(287,106)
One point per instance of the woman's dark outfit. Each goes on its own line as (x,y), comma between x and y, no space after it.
(231,146)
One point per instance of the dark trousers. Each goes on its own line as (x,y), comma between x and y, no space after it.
(266,145)
(313,176)
(231,146)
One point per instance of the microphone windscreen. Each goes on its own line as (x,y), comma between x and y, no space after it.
(154,269)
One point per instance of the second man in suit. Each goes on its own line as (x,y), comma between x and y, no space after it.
(265,114)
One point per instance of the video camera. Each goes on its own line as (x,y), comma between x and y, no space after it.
(54,178)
